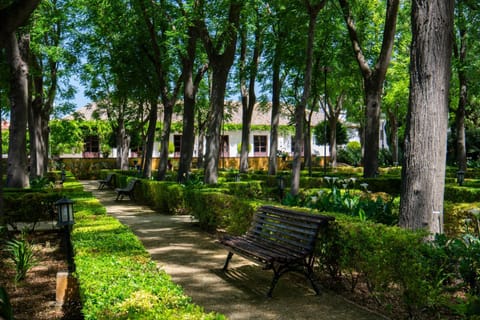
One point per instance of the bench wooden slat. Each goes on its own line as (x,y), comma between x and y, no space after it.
(128,190)
(281,239)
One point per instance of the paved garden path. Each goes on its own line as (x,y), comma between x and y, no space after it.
(194,261)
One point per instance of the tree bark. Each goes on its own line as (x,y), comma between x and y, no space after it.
(249,98)
(460,114)
(14,16)
(423,172)
(190,89)
(313,11)
(275,117)
(373,80)
(393,123)
(152,125)
(164,140)
(123,142)
(220,58)
(39,115)
(17,173)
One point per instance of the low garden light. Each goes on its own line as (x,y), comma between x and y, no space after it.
(460,177)
(63,176)
(66,220)
(281,185)
(65,212)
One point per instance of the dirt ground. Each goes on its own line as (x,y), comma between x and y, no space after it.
(35,297)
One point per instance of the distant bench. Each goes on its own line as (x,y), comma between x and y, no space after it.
(128,190)
(280,239)
(109,181)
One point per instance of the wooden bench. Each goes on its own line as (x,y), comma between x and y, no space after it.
(109,181)
(127,191)
(281,240)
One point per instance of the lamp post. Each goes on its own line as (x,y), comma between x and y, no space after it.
(460,177)
(281,185)
(66,220)
(63,175)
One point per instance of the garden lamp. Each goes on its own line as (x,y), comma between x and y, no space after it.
(460,177)
(66,220)
(65,212)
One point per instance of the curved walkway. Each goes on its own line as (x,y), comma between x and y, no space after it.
(194,261)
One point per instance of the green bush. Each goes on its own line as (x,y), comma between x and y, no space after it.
(216,210)
(21,252)
(29,206)
(352,154)
(385,260)
(250,189)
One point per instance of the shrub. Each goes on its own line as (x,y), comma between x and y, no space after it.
(352,154)
(21,252)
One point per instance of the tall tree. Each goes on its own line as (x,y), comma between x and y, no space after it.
(279,27)
(13,16)
(48,54)
(17,55)
(248,72)
(423,171)
(155,19)
(373,78)
(313,9)
(191,83)
(466,14)
(221,52)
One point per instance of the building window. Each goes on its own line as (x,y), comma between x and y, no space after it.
(91,147)
(177,144)
(259,145)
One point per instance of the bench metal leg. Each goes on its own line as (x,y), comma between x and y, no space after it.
(229,257)
(313,281)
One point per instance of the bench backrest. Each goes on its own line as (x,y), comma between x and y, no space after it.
(109,177)
(131,184)
(293,231)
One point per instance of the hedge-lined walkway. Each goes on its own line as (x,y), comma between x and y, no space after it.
(192,259)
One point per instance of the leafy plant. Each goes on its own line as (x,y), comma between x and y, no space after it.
(6,311)
(352,202)
(21,252)
(41,183)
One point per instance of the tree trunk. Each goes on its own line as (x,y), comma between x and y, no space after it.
(200,142)
(462,104)
(373,80)
(332,122)
(39,115)
(152,125)
(190,88)
(372,130)
(17,173)
(423,172)
(249,98)
(313,11)
(164,140)
(220,58)
(393,123)
(214,124)
(275,117)
(123,144)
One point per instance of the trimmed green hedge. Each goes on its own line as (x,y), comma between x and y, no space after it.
(117,278)
(215,209)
